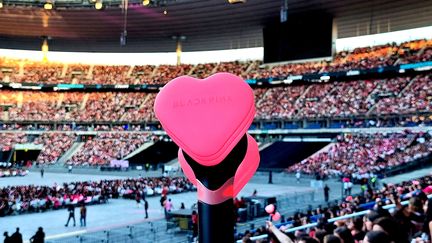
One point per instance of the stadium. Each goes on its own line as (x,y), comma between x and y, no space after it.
(332,98)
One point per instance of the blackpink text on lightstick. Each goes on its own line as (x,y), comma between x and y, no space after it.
(208,119)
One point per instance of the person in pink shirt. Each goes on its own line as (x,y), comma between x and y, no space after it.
(168,207)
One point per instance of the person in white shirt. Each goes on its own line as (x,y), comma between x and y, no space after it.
(298,176)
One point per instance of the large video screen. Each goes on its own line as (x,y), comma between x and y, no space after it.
(302,36)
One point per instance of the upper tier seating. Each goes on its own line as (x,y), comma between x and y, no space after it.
(359,58)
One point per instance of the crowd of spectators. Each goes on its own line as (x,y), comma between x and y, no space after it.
(109,74)
(204,70)
(278,102)
(34,106)
(75,106)
(359,58)
(9,139)
(7,172)
(142,74)
(237,68)
(39,72)
(417,98)
(344,99)
(104,147)
(75,127)
(77,72)
(54,146)
(34,198)
(8,68)
(416,51)
(401,95)
(165,73)
(404,223)
(360,154)
(393,96)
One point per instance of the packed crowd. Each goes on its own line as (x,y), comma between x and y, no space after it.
(404,223)
(103,148)
(400,95)
(54,146)
(16,126)
(33,198)
(74,106)
(360,154)
(359,58)
(97,150)
(7,172)
(414,99)
(8,140)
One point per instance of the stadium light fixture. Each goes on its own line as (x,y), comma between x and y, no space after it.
(146,2)
(1,4)
(236,1)
(45,49)
(165,12)
(48,5)
(99,5)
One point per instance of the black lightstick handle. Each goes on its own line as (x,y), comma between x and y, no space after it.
(216,222)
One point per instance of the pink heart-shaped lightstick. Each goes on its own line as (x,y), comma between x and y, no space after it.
(208,119)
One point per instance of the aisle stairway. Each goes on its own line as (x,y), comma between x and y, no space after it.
(139,150)
(73,150)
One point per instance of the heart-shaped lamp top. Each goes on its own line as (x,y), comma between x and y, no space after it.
(270,208)
(206,117)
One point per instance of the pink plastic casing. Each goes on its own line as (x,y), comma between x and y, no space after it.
(206,118)
(276,216)
(270,208)
(243,174)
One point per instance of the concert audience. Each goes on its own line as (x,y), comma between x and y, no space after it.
(401,95)
(204,70)
(105,147)
(109,74)
(33,198)
(54,146)
(404,223)
(416,98)
(75,106)
(9,139)
(359,58)
(361,154)
(142,74)
(6,172)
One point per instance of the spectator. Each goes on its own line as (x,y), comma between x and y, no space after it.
(71,210)
(326,193)
(16,237)
(146,205)
(344,234)
(83,215)
(428,220)
(39,237)
(194,224)
(332,239)
(376,237)
(168,207)
(7,238)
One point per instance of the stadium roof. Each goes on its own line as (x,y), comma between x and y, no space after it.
(207,25)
